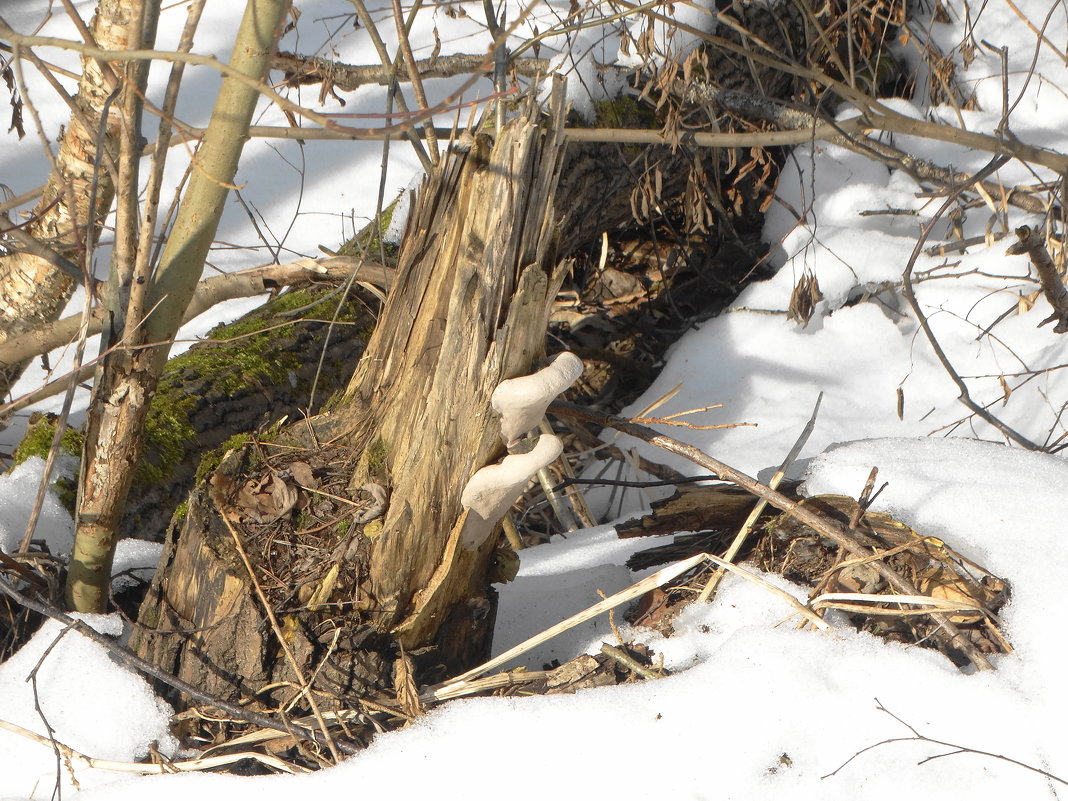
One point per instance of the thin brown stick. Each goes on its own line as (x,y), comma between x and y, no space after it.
(910,294)
(750,521)
(349,77)
(954,749)
(209,292)
(1033,244)
(947,633)
(391,65)
(413,74)
(148,768)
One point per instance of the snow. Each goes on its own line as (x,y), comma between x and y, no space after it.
(756,708)
(54,525)
(93,705)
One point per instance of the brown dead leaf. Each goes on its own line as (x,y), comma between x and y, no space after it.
(404,686)
(804,298)
(303,475)
(284,496)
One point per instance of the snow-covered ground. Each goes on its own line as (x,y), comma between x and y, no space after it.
(758,709)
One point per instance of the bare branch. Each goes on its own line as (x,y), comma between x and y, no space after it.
(910,294)
(1034,245)
(948,634)
(300,70)
(209,292)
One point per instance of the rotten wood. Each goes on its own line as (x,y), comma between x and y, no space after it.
(476,277)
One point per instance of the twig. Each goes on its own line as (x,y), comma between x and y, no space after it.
(1033,244)
(608,482)
(394,94)
(128,657)
(413,73)
(947,632)
(209,292)
(306,688)
(910,294)
(629,662)
(512,678)
(817,621)
(874,603)
(780,474)
(623,596)
(302,69)
(957,749)
(183,766)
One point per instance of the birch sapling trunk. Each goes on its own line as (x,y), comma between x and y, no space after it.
(130,374)
(33,291)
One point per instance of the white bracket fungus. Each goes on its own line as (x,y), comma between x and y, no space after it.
(521,402)
(494,488)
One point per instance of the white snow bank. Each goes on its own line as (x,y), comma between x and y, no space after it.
(92,704)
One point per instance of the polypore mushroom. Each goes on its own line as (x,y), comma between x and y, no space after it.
(494,488)
(521,402)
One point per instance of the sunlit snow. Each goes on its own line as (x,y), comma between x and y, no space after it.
(757,708)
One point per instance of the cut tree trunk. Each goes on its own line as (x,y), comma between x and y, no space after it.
(477,274)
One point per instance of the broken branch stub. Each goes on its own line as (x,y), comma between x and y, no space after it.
(1034,245)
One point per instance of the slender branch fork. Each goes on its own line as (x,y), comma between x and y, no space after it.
(955,749)
(910,294)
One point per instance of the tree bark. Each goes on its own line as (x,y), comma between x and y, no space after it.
(476,278)
(32,291)
(129,374)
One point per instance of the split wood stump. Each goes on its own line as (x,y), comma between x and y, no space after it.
(477,274)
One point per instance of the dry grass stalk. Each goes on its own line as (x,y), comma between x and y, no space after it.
(747,527)
(948,635)
(182,766)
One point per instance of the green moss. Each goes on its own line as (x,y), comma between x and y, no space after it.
(368,242)
(375,458)
(181,511)
(168,434)
(250,357)
(66,490)
(623,112)
(38,440)
(211,460)
(333,402)
(148,616)
(343,527)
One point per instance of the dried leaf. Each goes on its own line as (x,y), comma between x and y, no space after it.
(303,475)
(404,686)
(804,298)
(284,496)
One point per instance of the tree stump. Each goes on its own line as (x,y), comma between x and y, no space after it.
(386,572)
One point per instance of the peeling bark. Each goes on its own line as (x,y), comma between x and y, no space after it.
(32,291)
